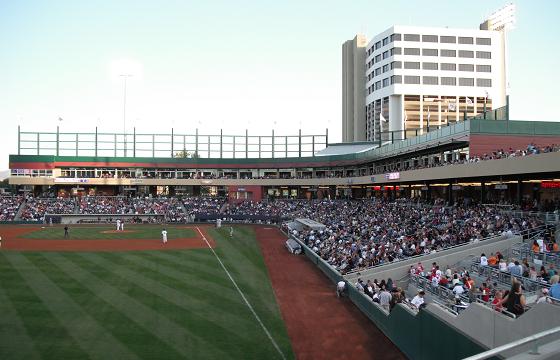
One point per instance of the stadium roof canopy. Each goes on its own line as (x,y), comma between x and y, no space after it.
(347,148)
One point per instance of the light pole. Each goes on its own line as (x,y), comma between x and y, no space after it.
(125,77)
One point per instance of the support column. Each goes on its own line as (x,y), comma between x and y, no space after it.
(483,192)
(450,193)
(519,192)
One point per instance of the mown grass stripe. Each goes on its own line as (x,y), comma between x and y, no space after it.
(122,298)
(15,342)
(253,278)
(213,313)
(262,325)
(138,340)
(175,267)
(202,265)
(79,325)
(40,323)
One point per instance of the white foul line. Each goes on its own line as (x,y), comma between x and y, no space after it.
(243,296)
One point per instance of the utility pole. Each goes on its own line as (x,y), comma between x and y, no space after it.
(125,77)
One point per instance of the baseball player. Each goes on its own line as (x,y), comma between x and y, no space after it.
(118,224)
(231,231)
(122,225)
(164,236)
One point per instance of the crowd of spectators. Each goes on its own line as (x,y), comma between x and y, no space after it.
(9,206)
(103,205)
(365,233)
(36,208)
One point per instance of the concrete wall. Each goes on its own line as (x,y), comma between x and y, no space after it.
(493,329)
(443,258)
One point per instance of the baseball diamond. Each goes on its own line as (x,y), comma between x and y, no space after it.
(172,185)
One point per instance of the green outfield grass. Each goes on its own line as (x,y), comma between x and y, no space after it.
(91,232)
(139,304)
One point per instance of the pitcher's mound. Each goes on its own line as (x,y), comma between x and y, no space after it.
(118,231)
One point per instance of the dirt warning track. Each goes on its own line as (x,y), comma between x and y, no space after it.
(320,325)
(11,240)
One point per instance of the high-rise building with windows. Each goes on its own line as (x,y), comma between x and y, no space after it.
(353,89)
(420,78)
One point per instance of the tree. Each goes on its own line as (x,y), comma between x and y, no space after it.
(183,154)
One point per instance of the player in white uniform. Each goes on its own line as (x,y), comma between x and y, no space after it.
(231,231)
(118,224)
(164,236)
(122,225)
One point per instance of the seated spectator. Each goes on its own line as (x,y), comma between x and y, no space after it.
(418,300)
(483,260)
(497,302)
(515,302)
(502,265)
(555,289)
(492,260)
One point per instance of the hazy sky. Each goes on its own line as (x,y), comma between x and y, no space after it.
(225,64)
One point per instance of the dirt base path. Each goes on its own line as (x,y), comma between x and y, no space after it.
(11,241)
(320,325)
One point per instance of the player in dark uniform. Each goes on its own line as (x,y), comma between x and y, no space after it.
(66,233)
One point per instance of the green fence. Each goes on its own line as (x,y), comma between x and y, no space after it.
(419,335)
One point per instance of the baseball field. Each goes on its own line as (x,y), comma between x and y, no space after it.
(124,295)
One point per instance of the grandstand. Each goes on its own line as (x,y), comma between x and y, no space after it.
(370,214)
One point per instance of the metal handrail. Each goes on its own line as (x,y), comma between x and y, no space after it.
(423,255)
(514,344)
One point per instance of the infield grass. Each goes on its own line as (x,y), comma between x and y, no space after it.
(140,304)
(92,232)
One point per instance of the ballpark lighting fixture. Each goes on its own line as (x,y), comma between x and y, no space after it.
(502,19)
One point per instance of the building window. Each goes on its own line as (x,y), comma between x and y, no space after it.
(448,66)
(466,54)
(411,37)
(377,45)
(396,65)
(448,53)
(466,67)
(395,37)
(429,52)
(385,68)
(430,38)
(396,79)
(484,82)
(385,54)
(411,51)
(378,58)
(484,68)
(429,66)
(466,40)
(466,81)
(395,51)
(377,71)
(385,41)
(484,55)
(430,80)
(386,82)
(483,41)
(449,81)
(411,65)
(448,39)
(378,85)
(411,79)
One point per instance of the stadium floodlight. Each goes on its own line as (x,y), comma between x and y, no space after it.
(502,19)
(124,76)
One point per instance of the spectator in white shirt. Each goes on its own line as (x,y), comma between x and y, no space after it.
(418,300)
(483,260)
